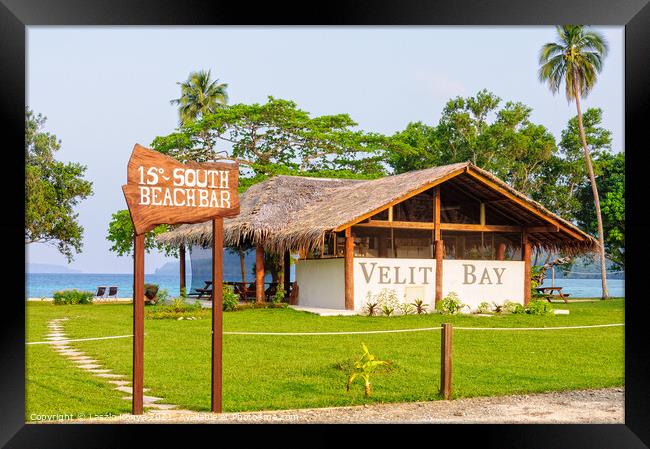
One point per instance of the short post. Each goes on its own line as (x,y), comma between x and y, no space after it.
(138,324)
(217,313)
(445,360)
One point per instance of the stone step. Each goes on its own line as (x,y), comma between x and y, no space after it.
(129,390)
(146,400)
(110,375)
(120,383)
(89,366)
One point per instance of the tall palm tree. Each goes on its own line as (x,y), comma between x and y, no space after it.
(575,59)
(199,96)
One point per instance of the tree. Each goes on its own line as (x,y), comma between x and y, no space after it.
(575,59)
(200,96)
(501,140)
(52,190)
(610,177)
(120,232)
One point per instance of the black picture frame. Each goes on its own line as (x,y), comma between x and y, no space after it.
(15,15)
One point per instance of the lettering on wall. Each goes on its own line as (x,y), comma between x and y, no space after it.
(384,274)
(486,276)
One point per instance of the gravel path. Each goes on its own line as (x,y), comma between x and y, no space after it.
(579,406)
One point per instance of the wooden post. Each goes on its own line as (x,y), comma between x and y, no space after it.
(217,312)
(445,360)
(181,266)
(525,252)
(349,269)
(287,273)
(439,249)
(501,251)
(259,274)
(138,324)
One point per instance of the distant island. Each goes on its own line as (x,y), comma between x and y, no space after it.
(48,268)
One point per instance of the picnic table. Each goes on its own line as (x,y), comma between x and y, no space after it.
(246,290)
(553,292)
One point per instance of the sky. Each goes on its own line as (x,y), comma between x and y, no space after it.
(103,89)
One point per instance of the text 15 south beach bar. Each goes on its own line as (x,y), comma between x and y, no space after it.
(423,234)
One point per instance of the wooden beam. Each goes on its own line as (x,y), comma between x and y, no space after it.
(436,213)
(287,273)
(445,360)
(532,229)
(217,313)
(138,324)
(349,270)
(181,267)
(396,224)
(402,198)
(482,214)
(522,203)
(526,253)
(390,213)
(439,248)
(259,274)
(479,227)
(501,251)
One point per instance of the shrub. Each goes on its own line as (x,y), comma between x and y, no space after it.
(183,292)
(178,308)
(230,298)
(151,293)
(264,305)
(451,304)
(163,295)
(387,310)
(535,307)
(405,308)
(505,307)
(483,307)
(73,296)
(420,306)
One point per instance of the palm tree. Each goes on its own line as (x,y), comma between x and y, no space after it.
(199,96)
(576,58)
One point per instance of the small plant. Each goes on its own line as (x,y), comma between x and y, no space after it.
(230,298)
(451,304)
(420,306)
(363,368)
(371,308)
(387,310)
(405,308)
(483,307)
(505,307)
(73,297)
(183,292)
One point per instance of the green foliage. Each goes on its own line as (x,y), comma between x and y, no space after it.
(278,138)
(534,307)
(73,297)
(178,309)
(387,310)
(151,294)
(405,308)
(200,95)
(363,368)
(183,292)
(451,304)
(278,297)
(420,307)
(120,233)
(610,179)
(52,190)
(484,307)
(264,305)
(162,295)
(574,59)
(230,298)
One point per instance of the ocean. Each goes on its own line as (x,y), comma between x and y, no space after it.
(43,285)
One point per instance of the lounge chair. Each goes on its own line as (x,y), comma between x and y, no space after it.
(112,292)
(101,292)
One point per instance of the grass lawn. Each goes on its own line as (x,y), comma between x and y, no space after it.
(281,372)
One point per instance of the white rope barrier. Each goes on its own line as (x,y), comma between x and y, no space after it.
(387,331)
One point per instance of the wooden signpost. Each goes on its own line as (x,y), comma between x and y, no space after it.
(161,190)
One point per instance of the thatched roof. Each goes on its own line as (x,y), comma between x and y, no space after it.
(290,212)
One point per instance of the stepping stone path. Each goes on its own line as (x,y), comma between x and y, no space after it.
(58,342)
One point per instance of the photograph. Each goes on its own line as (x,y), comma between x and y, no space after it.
(325,224)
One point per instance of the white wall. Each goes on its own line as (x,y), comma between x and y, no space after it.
(476,281)
(321,283)
(410,278)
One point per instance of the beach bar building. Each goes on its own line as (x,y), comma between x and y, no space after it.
(420,235)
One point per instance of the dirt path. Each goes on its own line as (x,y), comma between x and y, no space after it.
(582,406)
